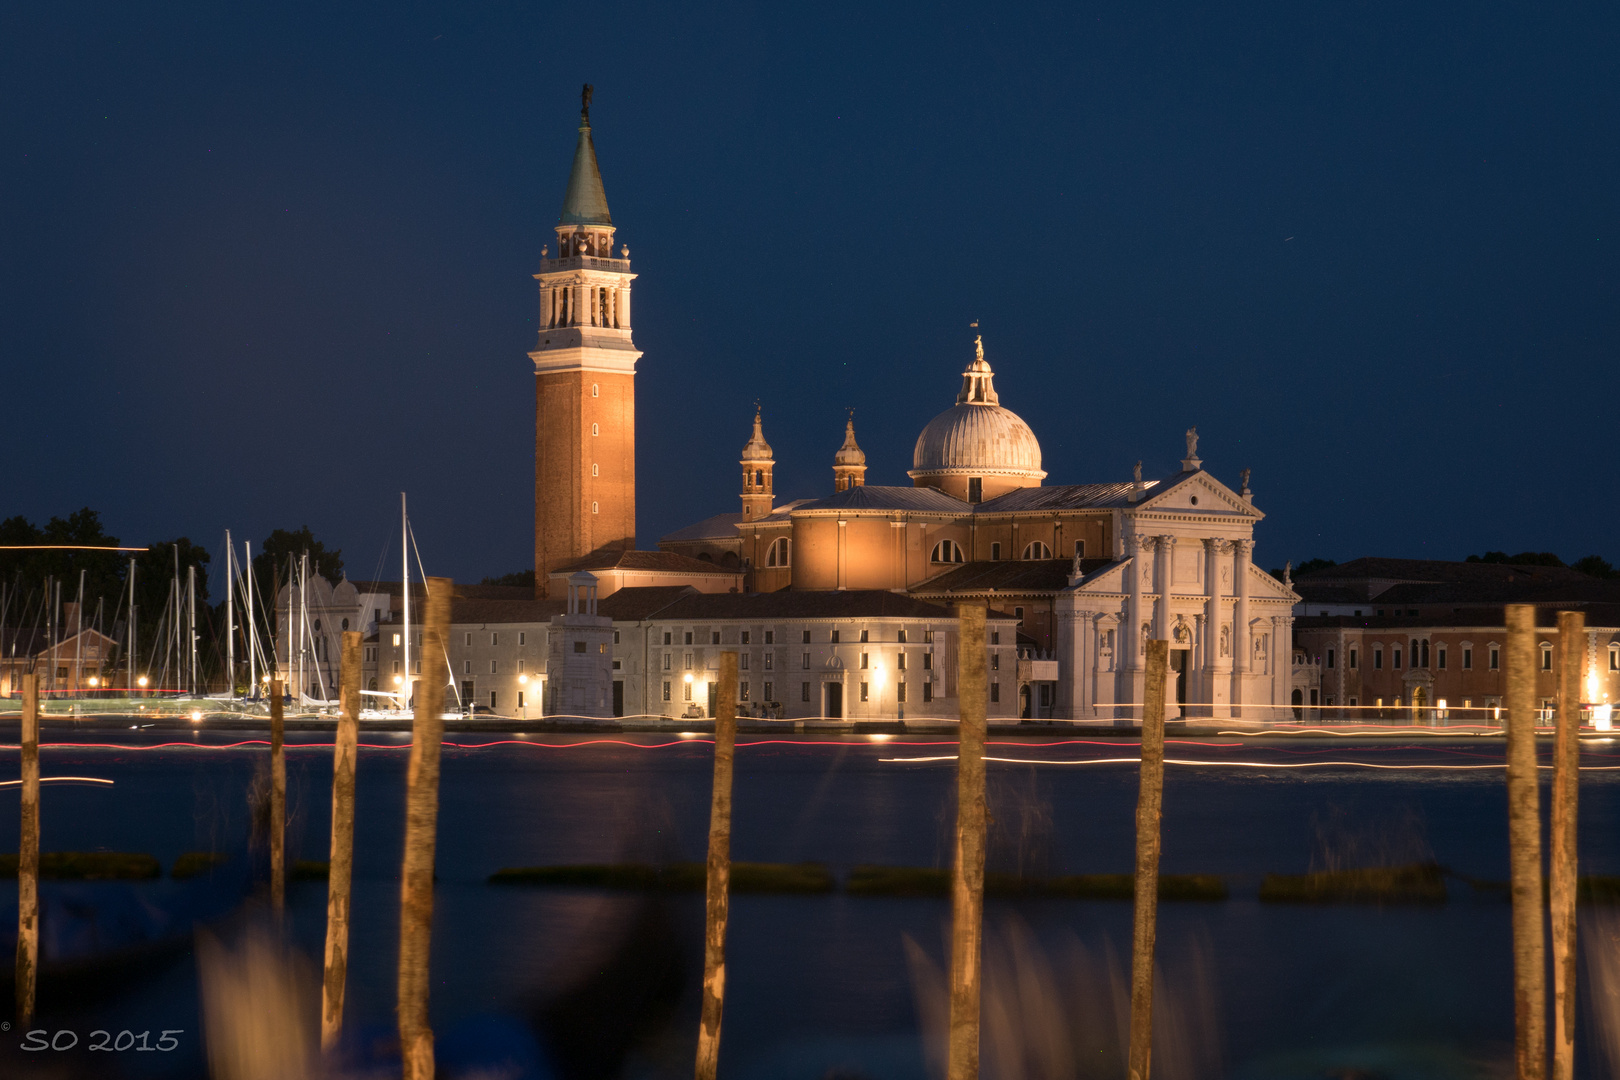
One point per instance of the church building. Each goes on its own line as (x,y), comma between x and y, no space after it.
(1084,574)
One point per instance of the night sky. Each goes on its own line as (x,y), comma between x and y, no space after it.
(269,265)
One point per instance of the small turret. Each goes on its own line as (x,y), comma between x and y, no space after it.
(849,464)
(757,462)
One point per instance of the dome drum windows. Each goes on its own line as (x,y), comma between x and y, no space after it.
(946,551)
(1036,550)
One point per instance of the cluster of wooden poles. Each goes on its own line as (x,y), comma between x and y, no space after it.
(1529,914)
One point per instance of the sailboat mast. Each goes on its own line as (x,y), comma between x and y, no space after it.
(174,627)
(253,628)
(303,601)
(405,579)
(129,637)
(191,628)
(78,638)
(230,619)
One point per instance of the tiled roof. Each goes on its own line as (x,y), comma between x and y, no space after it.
(718,527)
(668,562)
(1058,497)
(1434,570)
(787,604)
(878,497)
(640,602)
(530,610)
(1012,576)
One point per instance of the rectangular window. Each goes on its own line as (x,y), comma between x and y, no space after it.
(995,637)
(900,660)
(492,699)
(1496,659)
(834,638)
(520,667)
(995,552)
(745,637)
(1614,659)
(616,665)
(1440,659)
(396,637)
(492,665)
(1354,657)
(1546,659)
(928,636)
(1352,703)
(466,667)
(864,638)
(615,637)
(863,691)
(864,664)
(579,646)
(975,489)
(523,639)
(666,689)
(714,638)
(928,691)
(770,661)
(1468,659)
(688,637)
(688,661)
(770,637)
(520,699)
(1395,658)
(805,665)
(667,637)
(770,692)
(396,667)
(742,661)
(995,691)
(686,691)
(804,691)
(1330,658)
(469,639)
(902,638)
(1018,613)
(928,661)
(494,639)
(900,691)
(742,690)
(666,661)
(807,637)
(995,661)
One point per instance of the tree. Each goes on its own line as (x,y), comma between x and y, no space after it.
(524,578)
(1309,566)
(1595,566)
(271,565)
(1523,558)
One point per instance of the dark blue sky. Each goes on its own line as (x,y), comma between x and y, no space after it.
(268,265)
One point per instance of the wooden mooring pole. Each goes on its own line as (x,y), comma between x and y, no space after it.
(421,824)
(1524,844)
(341,868)
(1566,783)
(28,857)
(1149,812)
(278,803)
(967,870)
(718,907)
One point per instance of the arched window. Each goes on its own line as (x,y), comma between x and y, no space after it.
(946,551)
(759,477)
(372,685)
(1037,550)
(780,552)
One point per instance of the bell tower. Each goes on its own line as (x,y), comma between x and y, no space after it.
(757,463)
(584,369)
(849,463)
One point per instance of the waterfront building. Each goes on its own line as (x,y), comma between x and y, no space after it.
(1423,639)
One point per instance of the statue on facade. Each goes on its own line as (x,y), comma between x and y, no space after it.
(1244,476)
(1192,442)
(1226,639)
(1136,473)
(1288,573)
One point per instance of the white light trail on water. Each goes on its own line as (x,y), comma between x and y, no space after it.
(60,780)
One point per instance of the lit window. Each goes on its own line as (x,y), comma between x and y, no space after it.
(742,690)
(396,639)
(946,551)
(666,689)
(1037,550)
(686,691)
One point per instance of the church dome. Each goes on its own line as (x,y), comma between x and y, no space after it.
(977,436)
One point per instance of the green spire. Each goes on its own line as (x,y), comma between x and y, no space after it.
(586,202)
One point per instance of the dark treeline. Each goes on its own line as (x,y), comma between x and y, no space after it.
(31,581)
(1591,565)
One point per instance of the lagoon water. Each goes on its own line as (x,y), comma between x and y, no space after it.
(821,985)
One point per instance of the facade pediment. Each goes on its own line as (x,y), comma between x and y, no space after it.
(1198,493)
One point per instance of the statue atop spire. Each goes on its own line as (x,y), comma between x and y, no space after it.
(585,104)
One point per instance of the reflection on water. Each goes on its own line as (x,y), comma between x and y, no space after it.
(1056,1010)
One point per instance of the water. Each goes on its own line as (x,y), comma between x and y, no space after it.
(823,983)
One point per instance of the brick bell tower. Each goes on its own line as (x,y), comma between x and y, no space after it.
(584,376)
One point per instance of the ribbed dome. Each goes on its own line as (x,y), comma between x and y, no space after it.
(977,436)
